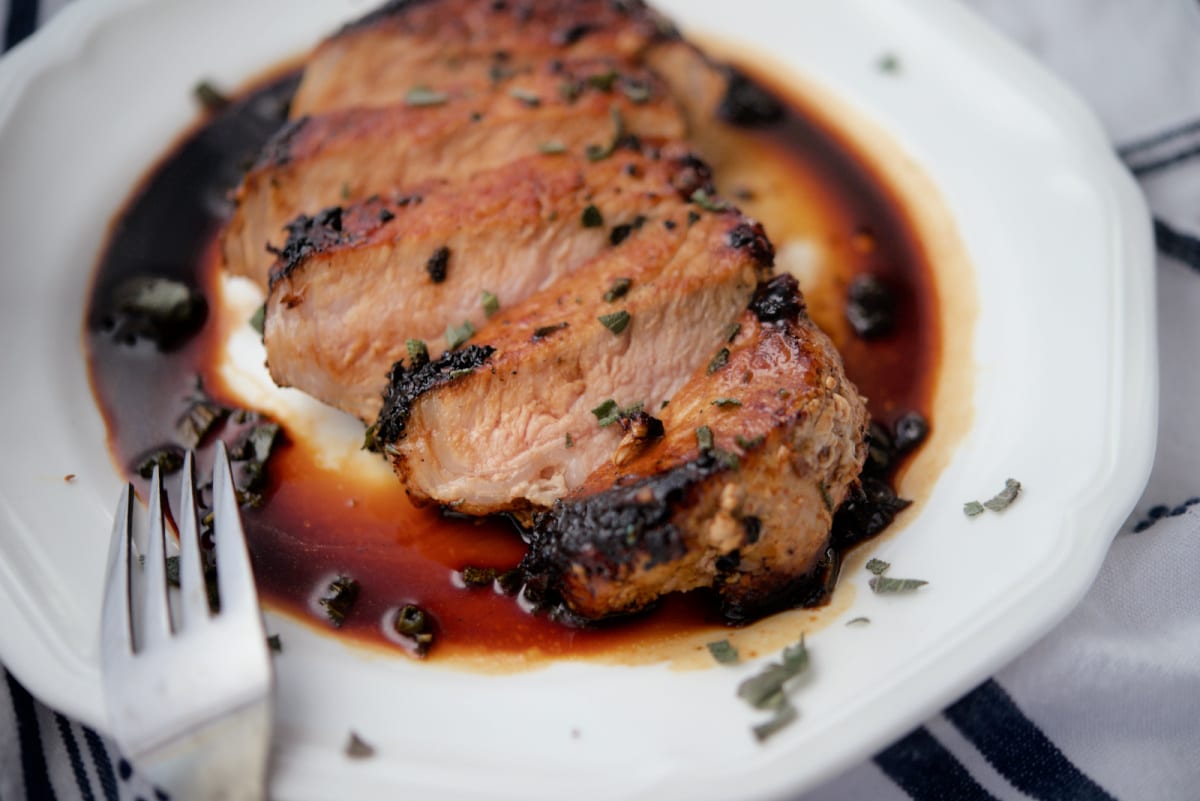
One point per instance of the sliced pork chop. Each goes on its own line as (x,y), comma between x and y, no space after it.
(529,411)
(472,44)
(738,495)
(323,161)
(352,286)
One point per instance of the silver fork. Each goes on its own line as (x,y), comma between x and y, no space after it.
(189,698)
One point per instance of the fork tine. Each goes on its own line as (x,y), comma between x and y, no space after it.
(155,619)
(193,601)
(235,582)
(117,643)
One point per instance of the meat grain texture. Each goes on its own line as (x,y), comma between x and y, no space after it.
(488,225)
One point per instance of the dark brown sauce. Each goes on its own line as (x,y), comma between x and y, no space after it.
(317,523)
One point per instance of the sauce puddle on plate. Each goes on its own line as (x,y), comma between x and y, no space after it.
(831,217)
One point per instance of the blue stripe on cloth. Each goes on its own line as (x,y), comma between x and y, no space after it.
(924,769)
(1177,244)
(75,758)
(33,758)
(103,765)
(22,19)
(1144,169)
(1017,748)
(1159,138)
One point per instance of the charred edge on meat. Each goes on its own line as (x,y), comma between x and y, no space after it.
(406,384)
(746,104)
(811,589)
(390,9)
(751,238)
(615,530)
(308,236)
(777,300)
(693,174)
(278,150)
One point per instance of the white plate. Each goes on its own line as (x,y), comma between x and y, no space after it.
(1064,399)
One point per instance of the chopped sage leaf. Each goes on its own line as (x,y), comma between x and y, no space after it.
(370,443)
(162,310)
(546,330)
(637,93)
(718,361)
(258,320)
(765,689)
(882,585)
(732,330)
(167,459)
(339,599)
(570,91)
(618,290)
(552,148)
(748,444)
(1003,499)
(345,190)
(601,152)
(616,322)
(210,97)
(707,202)
(877,566)
(358,748)
(457,336)
(414,623)
(418,352)
(465,371)
(785,714)
(723,652)
(888,62)
(973,508)
(704,438)
(607,413)
(201,417)
(603,81)
(274,643)
(525,96)
(479,576)
(592,218)
(424,96)
(859,621)
(570,441)
(826,498)
(491,303)
(725,402)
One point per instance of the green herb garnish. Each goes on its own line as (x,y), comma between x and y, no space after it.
(570,441)
(479,576)
(883,585)
(766,689)
(592,218)
(973,508)
(704,438)
(460,373)
(525,96)
(418,352)
(718,361)
(826,498)
(421,96)
(546,330)
(603,81)
(167,459)
(339,599)
(707,202)
(877,566)
(616,322)
(258,320)
(607,413)
(1003,499)
(201,417)
(618,290)
(888,62)
(732,330)
(274,643)
(414,623)
(636,92)
(457,336)
(210,97)
(859,621)
(601,152)
(726,402)
(552,148)
(723,652)
(491,303)
(748,444)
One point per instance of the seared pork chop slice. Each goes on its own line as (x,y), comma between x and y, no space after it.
(472,44)
(532,408)
(322,161)
(353,285)
(738,495)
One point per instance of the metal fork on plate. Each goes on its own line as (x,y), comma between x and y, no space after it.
(189,693)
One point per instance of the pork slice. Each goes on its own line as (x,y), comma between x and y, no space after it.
(354,284)
(378,59)
(739,493)
(530,410)
(317,162)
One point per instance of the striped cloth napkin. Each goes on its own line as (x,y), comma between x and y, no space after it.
(1107,706)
